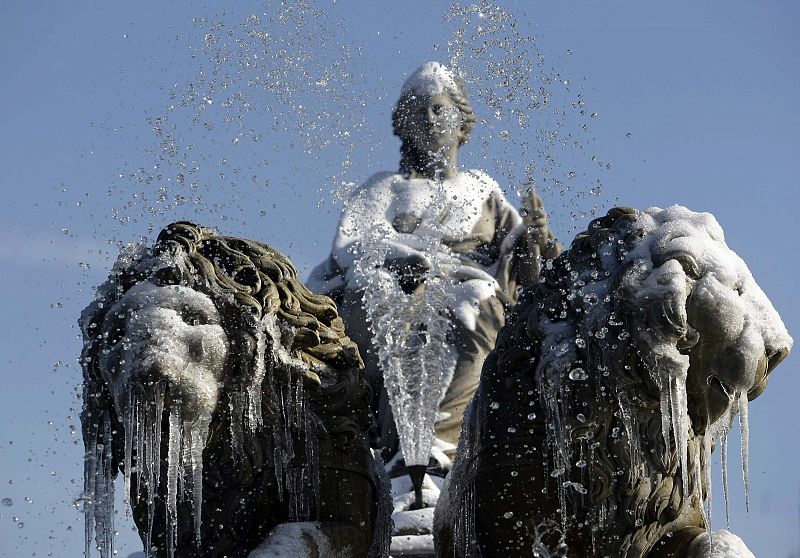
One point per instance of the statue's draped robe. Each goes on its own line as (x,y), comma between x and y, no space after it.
(478,233)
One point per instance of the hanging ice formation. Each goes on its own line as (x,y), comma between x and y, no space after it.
(411,332)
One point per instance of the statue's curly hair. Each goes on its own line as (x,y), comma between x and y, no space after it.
(247,281)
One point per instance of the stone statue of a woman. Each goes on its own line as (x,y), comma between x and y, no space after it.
(431,219)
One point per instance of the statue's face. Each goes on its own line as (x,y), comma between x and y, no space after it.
(434,122)
(171,334)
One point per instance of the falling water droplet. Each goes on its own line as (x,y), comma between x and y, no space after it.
(578,374)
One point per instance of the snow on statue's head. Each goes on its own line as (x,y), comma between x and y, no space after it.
(214,341)
(598,408)
(430,81)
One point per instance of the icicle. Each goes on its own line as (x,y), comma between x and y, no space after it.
(254,418)
(633,436)
(744,429)
(90,463)
(720,431)
(195,440)
(705,467)
(666,418)
(129,421)
(724,459)
(99,470)
(173,470)
(107,503)
(156,443)
(680,424)
(98,497)
(235,409)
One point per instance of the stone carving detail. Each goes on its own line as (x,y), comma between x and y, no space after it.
(592,428)
(231,399)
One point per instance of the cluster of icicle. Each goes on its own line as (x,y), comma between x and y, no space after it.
(411,333)
(142,422)
(291,423)
(556,372)
(99,472)
(184,459)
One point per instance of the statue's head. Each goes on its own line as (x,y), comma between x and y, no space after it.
(432,115)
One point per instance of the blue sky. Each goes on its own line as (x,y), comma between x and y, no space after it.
(683,102)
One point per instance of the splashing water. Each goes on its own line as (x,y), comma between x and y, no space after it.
(411,333)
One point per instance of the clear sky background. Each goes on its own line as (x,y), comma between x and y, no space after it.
(118,118)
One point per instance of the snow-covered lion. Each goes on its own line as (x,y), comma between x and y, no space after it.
(232,401)
(592,428)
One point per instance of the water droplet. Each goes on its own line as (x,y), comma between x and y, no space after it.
(577,486)
(531,416)
(494,405)
(508,515)
(581,417)
(578,374)
(8,502)
(580,342)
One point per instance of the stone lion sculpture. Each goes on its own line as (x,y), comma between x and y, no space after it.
(230,398)
(592,428)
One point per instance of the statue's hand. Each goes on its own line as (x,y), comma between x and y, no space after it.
(535,218)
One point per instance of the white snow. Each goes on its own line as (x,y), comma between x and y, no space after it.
(296,540)
(720,544)
(172,333)
(429,79)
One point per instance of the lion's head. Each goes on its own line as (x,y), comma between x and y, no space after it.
(613,376)
(220,386)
